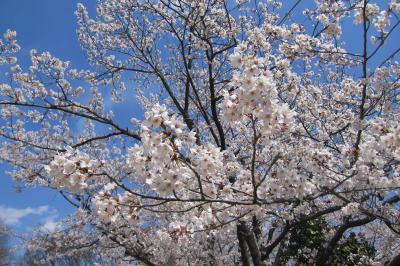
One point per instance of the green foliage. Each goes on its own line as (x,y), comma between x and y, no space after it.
(350,250)
(307,240)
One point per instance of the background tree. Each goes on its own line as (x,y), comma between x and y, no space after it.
(41,258)
(4,245)
(259,120)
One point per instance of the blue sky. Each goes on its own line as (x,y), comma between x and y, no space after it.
(46,25)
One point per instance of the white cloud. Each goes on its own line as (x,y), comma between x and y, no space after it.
(13,216)
(49,224)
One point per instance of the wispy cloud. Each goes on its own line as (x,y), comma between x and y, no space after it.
(49,223)
(12,216)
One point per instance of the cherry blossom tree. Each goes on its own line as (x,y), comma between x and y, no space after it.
(260,118)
